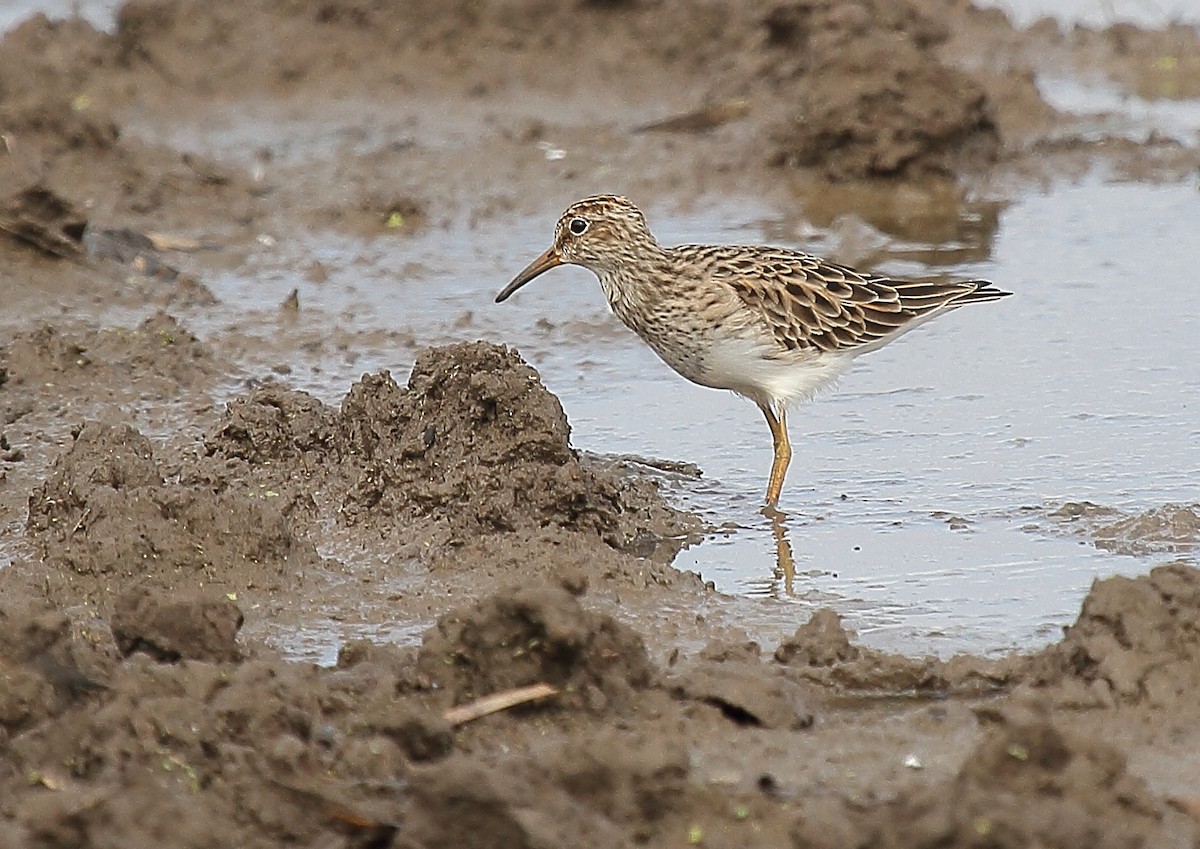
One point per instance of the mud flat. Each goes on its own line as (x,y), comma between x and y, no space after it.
(180,513)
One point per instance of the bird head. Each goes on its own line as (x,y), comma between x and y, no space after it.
(598,233)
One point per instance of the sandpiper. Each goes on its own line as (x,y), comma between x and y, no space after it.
(771,324)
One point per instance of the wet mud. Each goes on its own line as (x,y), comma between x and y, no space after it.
(174,512)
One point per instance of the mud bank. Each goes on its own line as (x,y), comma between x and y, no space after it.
(132,710)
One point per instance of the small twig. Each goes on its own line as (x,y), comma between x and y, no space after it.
(82,520)
(497,702)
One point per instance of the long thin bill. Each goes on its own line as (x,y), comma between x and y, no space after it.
(543,263)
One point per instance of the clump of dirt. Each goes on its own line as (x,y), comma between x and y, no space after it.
(38,217)
(822,652)
(473,446)
(106,512)
(477,442)
(736,682)
(273,423)
(1027,783)
(171,626)
(1137,640)
(874,100)
(536,635)
(278,442)
(159,352)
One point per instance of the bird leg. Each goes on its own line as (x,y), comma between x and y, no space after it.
(783,452)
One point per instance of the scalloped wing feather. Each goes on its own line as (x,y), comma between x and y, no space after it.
(813,304)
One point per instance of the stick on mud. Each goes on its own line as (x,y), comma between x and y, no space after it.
(497,702)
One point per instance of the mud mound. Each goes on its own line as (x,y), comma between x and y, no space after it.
(1137,640)
(273,423)
(821,651)
(160,352)
(1027,783)
(193,754)
(534,635)
(40,92)
(279,443)
(1169,528)
(476,441)
(875,101)
(104,511)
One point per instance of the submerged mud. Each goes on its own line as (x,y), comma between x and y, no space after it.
(177,510)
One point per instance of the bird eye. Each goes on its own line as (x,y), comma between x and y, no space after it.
(578,226)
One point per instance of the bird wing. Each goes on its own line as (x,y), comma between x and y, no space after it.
(810,303)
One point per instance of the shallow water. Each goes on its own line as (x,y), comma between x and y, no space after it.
(1108,112)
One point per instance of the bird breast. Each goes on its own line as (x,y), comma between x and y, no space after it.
(707,335)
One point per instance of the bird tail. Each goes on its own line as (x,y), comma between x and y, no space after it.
(983,291)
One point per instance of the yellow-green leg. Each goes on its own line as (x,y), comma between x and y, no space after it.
(783,452)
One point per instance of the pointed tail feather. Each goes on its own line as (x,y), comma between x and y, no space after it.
(984,291)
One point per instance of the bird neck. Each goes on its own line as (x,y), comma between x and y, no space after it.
(635,276)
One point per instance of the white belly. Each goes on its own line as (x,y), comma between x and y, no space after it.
(766,377)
